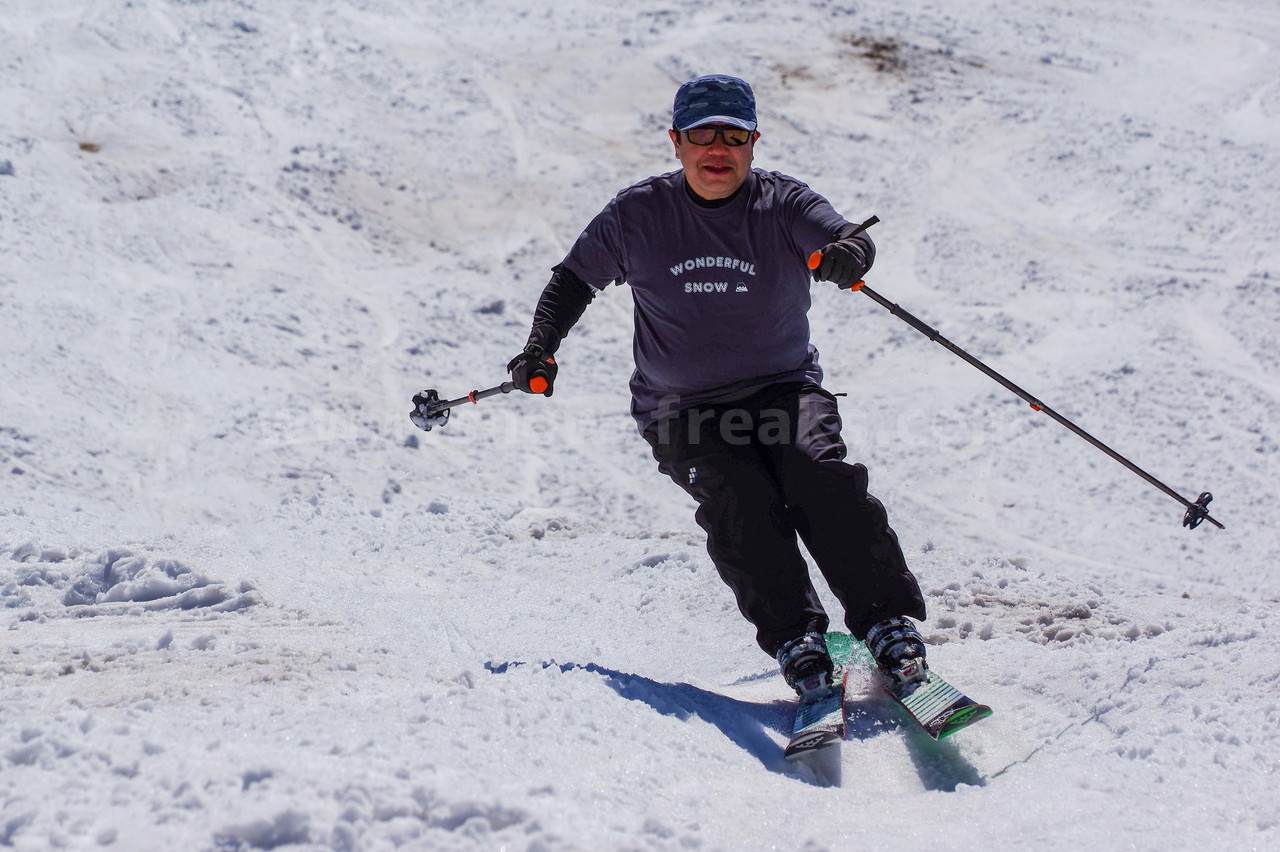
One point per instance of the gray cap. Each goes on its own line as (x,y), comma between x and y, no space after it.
(714,99)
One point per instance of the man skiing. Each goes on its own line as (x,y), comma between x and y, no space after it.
(726,388)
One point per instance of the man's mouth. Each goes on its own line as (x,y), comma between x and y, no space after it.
(718,170)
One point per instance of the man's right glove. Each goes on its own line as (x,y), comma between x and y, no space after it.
(534,370)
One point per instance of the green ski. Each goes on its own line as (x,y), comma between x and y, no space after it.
(935,705)
(819,721)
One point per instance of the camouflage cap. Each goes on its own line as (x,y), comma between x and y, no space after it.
(714,99)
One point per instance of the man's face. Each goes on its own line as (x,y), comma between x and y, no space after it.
(714,171)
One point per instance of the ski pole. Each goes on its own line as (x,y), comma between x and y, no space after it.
(430,410)
(1197,511)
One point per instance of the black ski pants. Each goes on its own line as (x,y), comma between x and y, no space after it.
(766,469)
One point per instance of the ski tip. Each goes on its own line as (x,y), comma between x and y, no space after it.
(809,743)
(963,718)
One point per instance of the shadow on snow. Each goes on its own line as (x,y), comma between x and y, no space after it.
(747,724)
(941,765)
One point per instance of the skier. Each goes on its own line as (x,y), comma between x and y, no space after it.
(727,388)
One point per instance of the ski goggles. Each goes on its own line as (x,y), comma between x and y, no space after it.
(732,136)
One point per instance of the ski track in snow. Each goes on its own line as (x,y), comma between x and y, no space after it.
(245,605)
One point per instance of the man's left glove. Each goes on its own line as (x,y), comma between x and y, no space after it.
(534,370)
(842,264)
(846,259)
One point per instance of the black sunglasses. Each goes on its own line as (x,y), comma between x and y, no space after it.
(732,136)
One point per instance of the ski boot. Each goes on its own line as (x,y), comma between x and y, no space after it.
(898,649)
(806,666)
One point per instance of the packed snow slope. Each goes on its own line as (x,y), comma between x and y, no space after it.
(246,605)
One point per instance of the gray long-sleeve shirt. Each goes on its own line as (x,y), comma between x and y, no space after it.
(721,293)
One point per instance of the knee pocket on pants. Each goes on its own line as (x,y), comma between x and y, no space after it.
(826,480)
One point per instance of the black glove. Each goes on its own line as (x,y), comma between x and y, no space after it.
(846,259)
(842,264)
(529,366)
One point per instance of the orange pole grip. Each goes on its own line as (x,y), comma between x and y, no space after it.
(538,384)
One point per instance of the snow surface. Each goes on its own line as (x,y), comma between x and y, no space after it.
(249,606)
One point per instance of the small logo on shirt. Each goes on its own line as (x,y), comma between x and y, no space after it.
(693,475)
(741,288)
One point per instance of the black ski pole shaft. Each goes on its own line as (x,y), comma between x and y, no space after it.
(1196,511)
(475,396)
(430,411)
